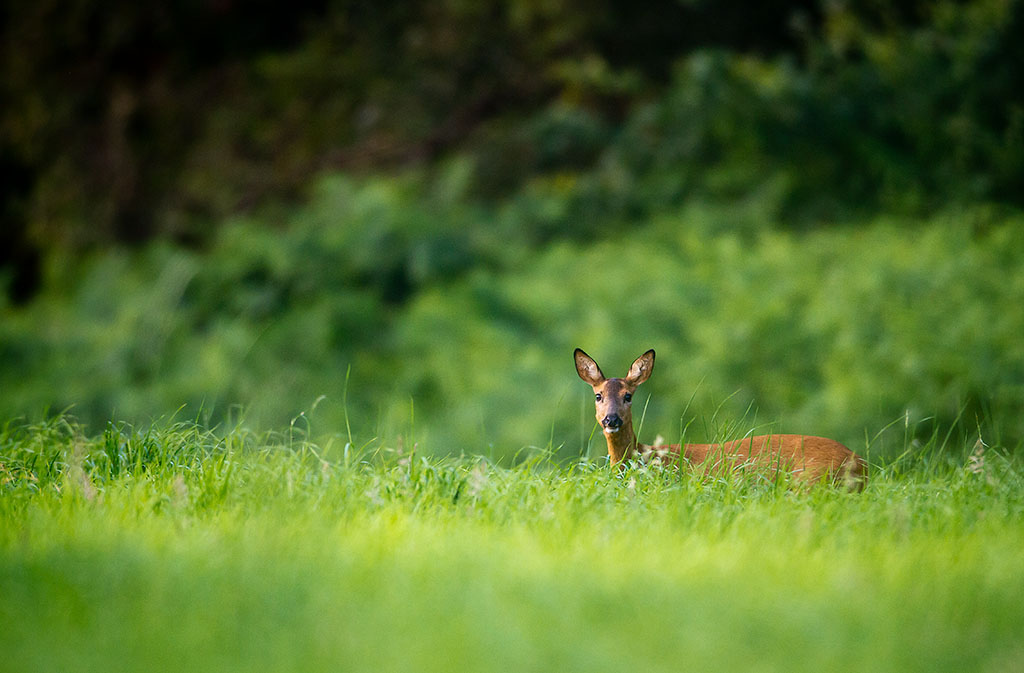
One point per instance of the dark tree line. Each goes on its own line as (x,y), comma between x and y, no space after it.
(123,122)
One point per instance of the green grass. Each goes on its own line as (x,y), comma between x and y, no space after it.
(176,548)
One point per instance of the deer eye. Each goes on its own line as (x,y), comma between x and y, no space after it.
(627,397)
(598,397)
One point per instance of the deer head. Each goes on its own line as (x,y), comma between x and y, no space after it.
(613,400)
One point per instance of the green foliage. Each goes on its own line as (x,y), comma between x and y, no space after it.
(819,238)
(118,129)
(450,325)
(231,551)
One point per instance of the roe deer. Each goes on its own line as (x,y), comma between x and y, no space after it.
(808,459)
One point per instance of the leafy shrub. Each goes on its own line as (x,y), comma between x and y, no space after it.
(834,332)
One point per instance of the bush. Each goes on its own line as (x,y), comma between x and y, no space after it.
(834,332)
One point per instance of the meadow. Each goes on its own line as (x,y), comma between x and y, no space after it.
(174,547)
(288,308)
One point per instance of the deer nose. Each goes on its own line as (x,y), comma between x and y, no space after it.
(611,421)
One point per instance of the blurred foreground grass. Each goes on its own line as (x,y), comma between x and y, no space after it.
(176,549)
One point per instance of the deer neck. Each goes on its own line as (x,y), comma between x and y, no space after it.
(621,444)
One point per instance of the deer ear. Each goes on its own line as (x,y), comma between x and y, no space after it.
(641,368)
(587,368)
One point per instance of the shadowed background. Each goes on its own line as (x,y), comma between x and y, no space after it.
(811,210)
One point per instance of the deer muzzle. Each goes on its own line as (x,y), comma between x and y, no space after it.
(611,423)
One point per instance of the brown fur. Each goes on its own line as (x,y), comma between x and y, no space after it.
(809,459)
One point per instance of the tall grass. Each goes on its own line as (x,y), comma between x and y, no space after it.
(177,548)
